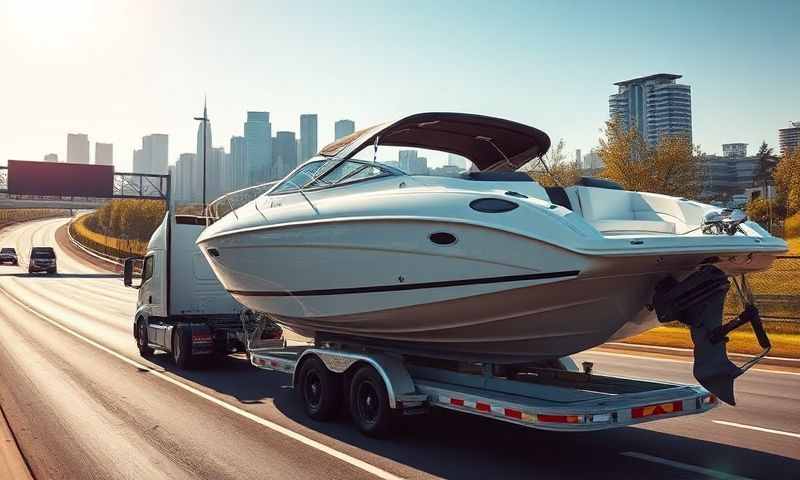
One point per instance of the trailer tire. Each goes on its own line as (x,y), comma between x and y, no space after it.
(369,402)
(141,339)
(320,390)
(182,348)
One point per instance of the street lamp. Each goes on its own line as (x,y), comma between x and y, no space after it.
(204,119)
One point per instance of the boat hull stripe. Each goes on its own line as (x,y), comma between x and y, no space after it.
(406,286)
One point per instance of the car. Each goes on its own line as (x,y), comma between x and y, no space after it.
(9,255)
(42,259)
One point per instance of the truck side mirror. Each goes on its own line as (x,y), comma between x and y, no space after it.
(128,272)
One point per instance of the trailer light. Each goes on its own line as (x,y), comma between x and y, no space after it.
(658,409)
(559,418)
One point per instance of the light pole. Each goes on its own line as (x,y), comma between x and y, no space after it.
(204,119)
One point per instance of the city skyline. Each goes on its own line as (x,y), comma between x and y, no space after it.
(160,90)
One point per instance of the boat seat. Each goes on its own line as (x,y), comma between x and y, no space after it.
(633,226)
(558,196)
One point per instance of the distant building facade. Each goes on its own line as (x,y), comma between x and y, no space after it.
(655,105)
(738,150)
(202,157)
(239,172)
(285,154)
(412,163)
(592,161)
(343,128)
(77,148)
(730,174)
(183,178)
(51,157)
(103,154)
(789,139)
(153,157)
(308,136)
(454,160)
(258,140)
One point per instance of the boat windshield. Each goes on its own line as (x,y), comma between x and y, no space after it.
(327,173)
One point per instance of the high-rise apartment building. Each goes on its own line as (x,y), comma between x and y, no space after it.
(183,177)
(103,154)
(51,157)
(412,163)
(789,138)
(655,105)
(215,174)
(285,155)
(343,128)
(77,148)
(734,150)
(156,151)
(308,136)
(258,136)
(240,177)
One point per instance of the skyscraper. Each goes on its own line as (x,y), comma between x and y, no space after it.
(183,177)
(456,161)
(308,136)
(199,169)
(285,153)
(412,163)
(77,148)
(655,105)
(258,135)
(215,174)
(789,138)
(51,157)
(139,165)
(343,128)
(239,173)
(103,154)
(578,158)
(156,153)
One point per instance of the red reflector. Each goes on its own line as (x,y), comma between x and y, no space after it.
(202,337)
(659,409)
(558,418)
(457,401)
(513,413)
(483,407)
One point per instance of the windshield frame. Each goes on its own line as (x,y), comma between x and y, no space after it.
(385,171)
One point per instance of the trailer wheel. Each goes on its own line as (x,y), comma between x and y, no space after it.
(182,348)
(141,339)
(320,390)
(369,402)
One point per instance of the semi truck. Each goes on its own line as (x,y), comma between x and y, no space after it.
(182,309)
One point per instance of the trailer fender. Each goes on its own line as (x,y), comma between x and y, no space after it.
(394,374)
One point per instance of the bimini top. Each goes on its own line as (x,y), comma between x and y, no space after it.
(491,144)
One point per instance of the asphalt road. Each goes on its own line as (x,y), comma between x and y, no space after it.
(83,404)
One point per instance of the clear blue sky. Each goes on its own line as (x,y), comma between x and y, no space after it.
(120,70)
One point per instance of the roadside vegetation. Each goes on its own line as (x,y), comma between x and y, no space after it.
(121,228)
(14,215)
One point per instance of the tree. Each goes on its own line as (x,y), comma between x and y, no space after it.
(554,169)
(672,167)
(787,183)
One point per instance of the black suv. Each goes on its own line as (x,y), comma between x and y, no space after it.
(43,259)
(8,255)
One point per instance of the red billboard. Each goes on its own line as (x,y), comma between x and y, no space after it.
(60,179)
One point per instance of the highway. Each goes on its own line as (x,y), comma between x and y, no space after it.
(83,404)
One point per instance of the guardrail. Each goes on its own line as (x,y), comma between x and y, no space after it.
(119,261)
(776,291)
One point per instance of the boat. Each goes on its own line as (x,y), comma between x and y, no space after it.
(489,266)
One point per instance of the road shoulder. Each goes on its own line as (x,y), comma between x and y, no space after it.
(12,463)
(62,238)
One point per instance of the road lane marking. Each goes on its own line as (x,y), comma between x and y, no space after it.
(684,466)
(758,429)
(367,467)
(672,360)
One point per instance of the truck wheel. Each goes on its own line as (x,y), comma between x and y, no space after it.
(141,339)
(369,402)
(320,390)
(181,348)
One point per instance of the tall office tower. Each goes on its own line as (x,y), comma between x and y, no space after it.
(183,177)
(593,160)
(578,158)
(407,159)
(419,166)
(51,157)
(239,173)
(258,136)
(103,154)
(655,105)
(456,161)
(285,153)
(343,128)
(789,139)
(738,150)
(215,181)
(156,153)
(201,156)
(77,148)
(308,136)
(139,165)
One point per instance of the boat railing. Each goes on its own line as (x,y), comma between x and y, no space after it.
(231,201)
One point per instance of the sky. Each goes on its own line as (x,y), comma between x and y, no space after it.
(118,70)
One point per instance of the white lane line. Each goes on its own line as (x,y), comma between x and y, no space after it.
(670,360)
(684,466)
(367,467)
(758,429)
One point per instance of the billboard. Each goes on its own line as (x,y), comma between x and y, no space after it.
(60,179)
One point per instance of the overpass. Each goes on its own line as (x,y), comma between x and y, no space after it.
(29,184)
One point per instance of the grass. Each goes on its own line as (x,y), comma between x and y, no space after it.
(783,335)
(794,245)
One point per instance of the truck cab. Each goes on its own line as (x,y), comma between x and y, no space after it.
(181,308)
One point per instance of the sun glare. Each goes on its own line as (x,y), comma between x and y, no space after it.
(52,24)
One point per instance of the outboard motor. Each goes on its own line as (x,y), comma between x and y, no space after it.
(698,301)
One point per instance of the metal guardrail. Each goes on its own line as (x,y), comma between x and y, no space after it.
(97,254)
